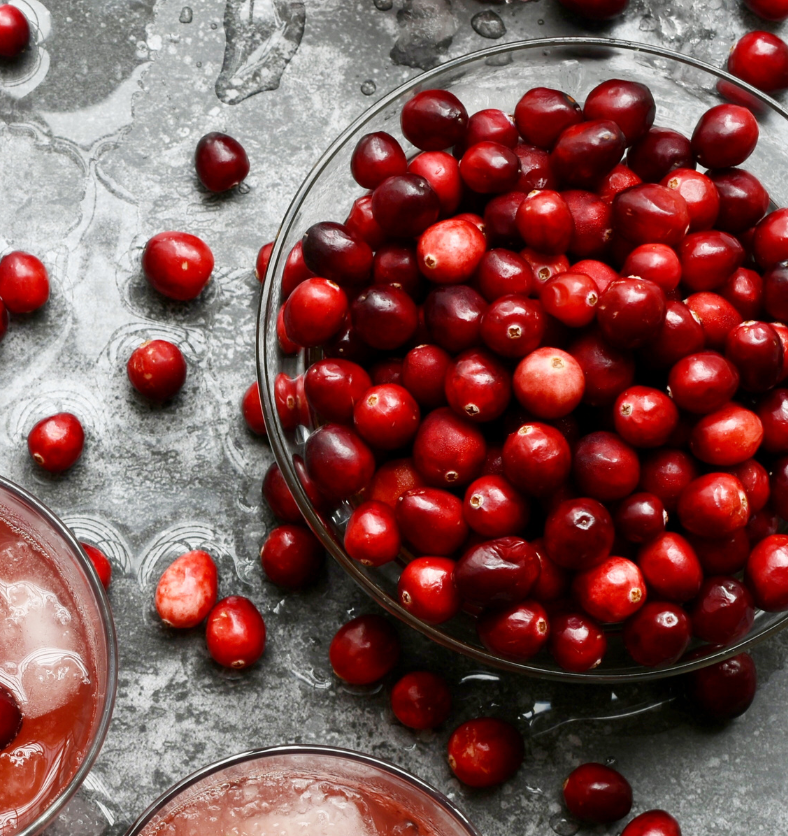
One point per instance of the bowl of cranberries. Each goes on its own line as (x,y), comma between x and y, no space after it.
(523,357)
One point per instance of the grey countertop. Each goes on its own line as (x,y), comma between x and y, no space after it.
(99,124)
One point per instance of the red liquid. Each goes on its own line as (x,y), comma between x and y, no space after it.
(47,660)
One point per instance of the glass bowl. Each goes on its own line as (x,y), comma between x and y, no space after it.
(497,77)
(35,523)
(371,778)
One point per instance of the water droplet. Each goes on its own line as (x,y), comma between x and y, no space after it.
(186,15)
(610,761)
(368,87)
(383,5)
(198,64)
(214,26)
(540,22)
(563,825)
(488,25)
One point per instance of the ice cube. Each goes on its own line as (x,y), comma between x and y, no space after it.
(315,815)
(50,678)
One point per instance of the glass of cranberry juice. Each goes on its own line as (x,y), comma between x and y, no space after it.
(58,659)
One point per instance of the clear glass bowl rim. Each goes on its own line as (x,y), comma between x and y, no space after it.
(110,636)
(298,749)
(276,436)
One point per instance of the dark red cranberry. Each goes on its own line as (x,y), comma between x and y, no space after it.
(619,179)
(577,642)
(494,508)
(221,162)
(775,292)
(491,125)
(103,569)
(536,459)
(553,581)
(513,326)
(755,349)
(773,412)
(605,467)
(448,450)
(656,263)
(644,417)
(721,555)
(372,535)
(157,370)
(597,794)
(177,265)
(679,335)
(717,317)
(592,219)
(729,436)
(640,517)
(666,473)
(708,258)
(585,153)
(545,222)
(361,224)
(338,461)
(485,752)
(450,251)
(743,199)
(405,205)
(364,650)
(24,283)
(387,371)
(395,264)
(431,520)
(535,169)
(423,372)
(490,168)
(766,575)
(287,401)
(292,556)
(56,443)
(601,273)
(376,157)
(542,114)
(658,153)
(724,136)
(744,290)
(782,332)
(630,312)
(578,534)
(703,382)
(779,487)
(499,571)
(762,524)
(761,59)
(611,591)
(315,312)
(651,214)
(776,10)
(10,713)
(517,632)
(426,589)
(433,120)
(500,213)
(629,104)
(607,370)
(658,634)
(333,252)
(278,497)
(770,242)
(333,387)
(755,481)
(699,193)
(713,505)
(549,383)
(14,36)
(453,315)
(571,298)
(478,385)
(671,568)
(725,689)
(442,172)
(723,611)
(421,700)
(501,273)
(295,270)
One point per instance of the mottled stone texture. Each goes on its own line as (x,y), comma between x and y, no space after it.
(98,128)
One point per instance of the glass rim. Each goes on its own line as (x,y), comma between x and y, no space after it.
(110,636)
(268,308)
(298,749)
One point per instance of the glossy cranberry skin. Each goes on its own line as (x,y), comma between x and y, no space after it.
(744,290)
(502,272)
(449,251)
(333,387)
(671,568)
(544,267)
(433,120)
(384,316)
(651,214)
(607,370)
(703,382)
(453,316)
(516,632)
(431,520)
(292,556)
(315,312)
(535,169)
(448,450)
(605,467)
(776,10)
(177,265)
(571,298)
(478,385)
(619,179)
(644,417)
(485,752)
(295,270)
(24,283)
(755,349)
(743,199)
(578,534)
(770,242)
(729,436)
(494,508)
(235,633)
(499,225)
(665,473)
(56,442)
(658,634)
(278,497)
(775,292)
(442,172)
(287,401)
(679,335)
(372,536)
(577,643)
(14,36)
(392,479)
(536,459)
(542,114)
(336,252)
(405,205)
(699,193)
(611,591)
(722,555)
(630,312)
(262,261)
(423,373)
(766,574)
(338,461)
(157,370)
(545,222)
(426,589)
(708,258)
(549,383)
(658,153)
(640,518)
(361,224)
(597,794)
(773,412)
(716,315)
(724,136)
(364,650)
(220,161)
(421,700)
(761,59)
(10,713)
(490,168)
(386,416)
(376,157)
(585,153)
(782,332)
(187,590)
(499,571)
(723,611)
(713,505)
(513,326)
(395,264)
(755,481)
(629,104)
(725,689)
(592,219)
(104,571)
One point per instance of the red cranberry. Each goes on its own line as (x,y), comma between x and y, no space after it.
(651,214)
(221,162)
(766,575)
(491,125)
(545,222)
(756,350)
(478,385)
(571,298)
(10,713)
(770,242)
(553,581)
(665,473)
(671,568)
(629,104)
(405,205)
(448,450)
(364,229)
(450,251)
(724,136)
(535,169)
(499,571)
(14,37)
(782,332)
(755,481)
(426,589)
(723,611)
(262,261)
(423,372)
(544,267)
(630,312)
(775,292)
(24,283)
(578,534)
(699,193)
(442,172)
(372,536)
(744,290)
(104,571)
(56,443)
(592,219)
(490,168)
(421,700)
(725,689)
(543,114)
(453,316)
(157,371)
(485,752)
(384,316)
(703,382)
(713,505)
(708,259)
(235,633)
(288,402)
(338,461)
(431,520)
(611,591)
(776,10)
(513,326)
(277,494)
(658,634)
(679,335)
(619,179)
(536,459)
(315,311)
(187,590)
(743,200)
(773,412)
(364,650)
(645,417)
(334,387)
(335,252)
(433,120)
(500,213)
(604,467)
(607,370)
(494,508)
(376,157)
(516,632)
(386,372)
(585,153)
(601,273)
(295,270)
(658,153)
(729,436)
(761,59)
(577,643)
(392,479)
(716,315)
(292,556)
(502,273)
(722,555)
(387,416)
(597,794)
(177,265)
(395,264)
(640,517)
(549,383)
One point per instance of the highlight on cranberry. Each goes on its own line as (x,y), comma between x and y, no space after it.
(178,265)
(548,359)
(56,442)
(14,32)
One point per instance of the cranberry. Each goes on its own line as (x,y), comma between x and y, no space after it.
(585,153)
(755,481)
(177,265)
(725,689)
(431,520)
(450,251)
(335,252)
(645,417)
(601,273)
(288,401)
(517,632)
(703,382)
(485,752)
(716,315)
(513,326)
(421,700)
(651,214)
(679,335)
(756,350)
(722,555)
(545,222)
(103,569)
(392,479)
(157,370)
(542,114)
(619,179)
(536,459)
(338,461)
(658,153)
(423,372)
(762,524)
(544,267)
(782,332)
(221,162)
(658,634)
(56,442)
(699,193)
(761,59)
(577,643)
(502,273)
(426,589)
(395,264)
(262,261)
(235,633)
(499,571)
(372,536)
(713,505)
(453,316)
(10,713)
(605,467)
(776,10)
(630,312)
(592,219)
(442,172)
(387,416)
(490,168)
(744,290)
(724,136)
(597,794)
(448,450)
(729,436)
(405,205)
(549,383)
(553,581)
(295,270)
(477,385)
(640,517)
(743,199)
(186,592)
(494,508)
(292,556)
(571,298)
(671,568)
(433,120)
(499,224)
(766,575)
(665,473)
(278,497)
(611,591)
(773,412)
(629,104)
(364,650)
(607,370)
(14,35)
(24,283)
(334,387)
(315,312)
(723,611)
(376,157)
(578,534)
(362,226)
(535,169)
(770,242)
(708,259)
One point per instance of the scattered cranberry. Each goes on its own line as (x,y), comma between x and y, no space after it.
(725,689)
(597,794)
(426,589)
(10,717)
(700,195)
(578,534)
(177,265)
(640,517)
(651,214)
(221,162)
(703,382)
(157,371)
(485,752)
(235,633)
(56,443)
(761,59)
(24,283)
(630,312)
(100,563)
(262,261)
(766,575)
(645,417)
(713,505)
(653,823)
(314,311)
(513,326)
(629,104)
(364,650)
(545,222)
(14,35)
(489,168)
(448,450)
(187,590)
(571,298)
(292,556)
(421,700)
(729,436)
(478,385)
(372,536)
(405,205)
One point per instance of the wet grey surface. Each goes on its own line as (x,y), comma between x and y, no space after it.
(99,123)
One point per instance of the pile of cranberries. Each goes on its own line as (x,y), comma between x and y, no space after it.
(551,355)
